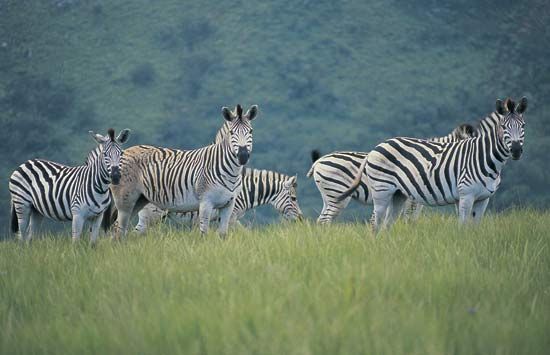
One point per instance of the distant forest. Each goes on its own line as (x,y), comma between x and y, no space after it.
(327,75)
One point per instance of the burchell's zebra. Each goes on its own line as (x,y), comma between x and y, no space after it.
(187,180)
(334,173)
(259,187)
(467,172)
(63,193)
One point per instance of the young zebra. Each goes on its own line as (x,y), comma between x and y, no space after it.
(436,174)
(334,173)
(187,180)
(259,187)
(64,193)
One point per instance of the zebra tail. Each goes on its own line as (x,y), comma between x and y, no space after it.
(315,155)
(14,222)
(108,217)
(355,183)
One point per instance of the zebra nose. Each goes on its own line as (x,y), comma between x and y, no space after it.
(115,175)
(243,155)
(516,150)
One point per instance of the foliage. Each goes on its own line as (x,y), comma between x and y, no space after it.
(328,75)
(427,288)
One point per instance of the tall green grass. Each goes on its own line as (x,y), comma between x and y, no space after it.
(424,288)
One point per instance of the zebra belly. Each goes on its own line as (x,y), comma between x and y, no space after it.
(220,197)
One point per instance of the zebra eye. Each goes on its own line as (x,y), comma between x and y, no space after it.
(293,198)
(231,131)
(251,130)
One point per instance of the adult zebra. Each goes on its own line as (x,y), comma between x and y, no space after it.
(44,188)
(259,187)
(187,180)
(334,173)
(436,174)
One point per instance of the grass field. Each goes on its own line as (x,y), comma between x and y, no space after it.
(423,288)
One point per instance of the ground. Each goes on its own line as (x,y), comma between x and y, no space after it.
(427,287)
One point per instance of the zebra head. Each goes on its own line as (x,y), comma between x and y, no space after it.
(286,202)
(240,131)
(512,125)
(112,151)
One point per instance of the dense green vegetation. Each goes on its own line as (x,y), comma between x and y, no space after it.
(326,74)
(427,288)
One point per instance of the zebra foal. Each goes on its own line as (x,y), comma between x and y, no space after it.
(467,172)
(64,193)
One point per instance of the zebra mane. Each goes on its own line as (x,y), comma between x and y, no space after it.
(92,156)
(489,124)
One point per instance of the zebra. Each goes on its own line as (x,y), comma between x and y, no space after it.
(41,188)
(259,187)
(467,172)
(202,179)
(333,174)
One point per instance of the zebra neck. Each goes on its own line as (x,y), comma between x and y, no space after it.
(499,152)
(97,171)
(227,160)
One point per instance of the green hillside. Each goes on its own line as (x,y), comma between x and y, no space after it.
(331,75)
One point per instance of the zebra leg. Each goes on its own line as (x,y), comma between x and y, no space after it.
(225,216)
(95,226)
(78,224)
(479,209)
(35,221)
(23,212)
(382,201)
(205,210)
(331,210)
(395,207)
(465,205)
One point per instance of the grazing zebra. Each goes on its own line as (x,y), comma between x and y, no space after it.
(467,172)
(187,180)
(259,187)
(334,173)
(64,193)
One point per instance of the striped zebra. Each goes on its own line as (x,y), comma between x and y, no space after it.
(435,174)
(259,187)
(187,180)
(64,193)
(334,173)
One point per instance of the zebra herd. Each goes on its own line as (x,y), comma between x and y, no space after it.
(398,176)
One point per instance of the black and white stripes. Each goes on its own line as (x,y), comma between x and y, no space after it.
(334,174)
(188,180)
(259,187)
(44,188)
(467,172)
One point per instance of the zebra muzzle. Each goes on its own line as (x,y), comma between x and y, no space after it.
(243,155)
(516,150)
(115,175)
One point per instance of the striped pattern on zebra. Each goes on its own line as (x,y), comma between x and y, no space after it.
(467,172)
(63,193)
(187,180)
(259,187)
(334,173)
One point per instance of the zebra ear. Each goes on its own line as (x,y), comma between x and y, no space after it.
(123,136)
(500,107)
(98,137)
(227,114)
(252,112)
(522,106)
